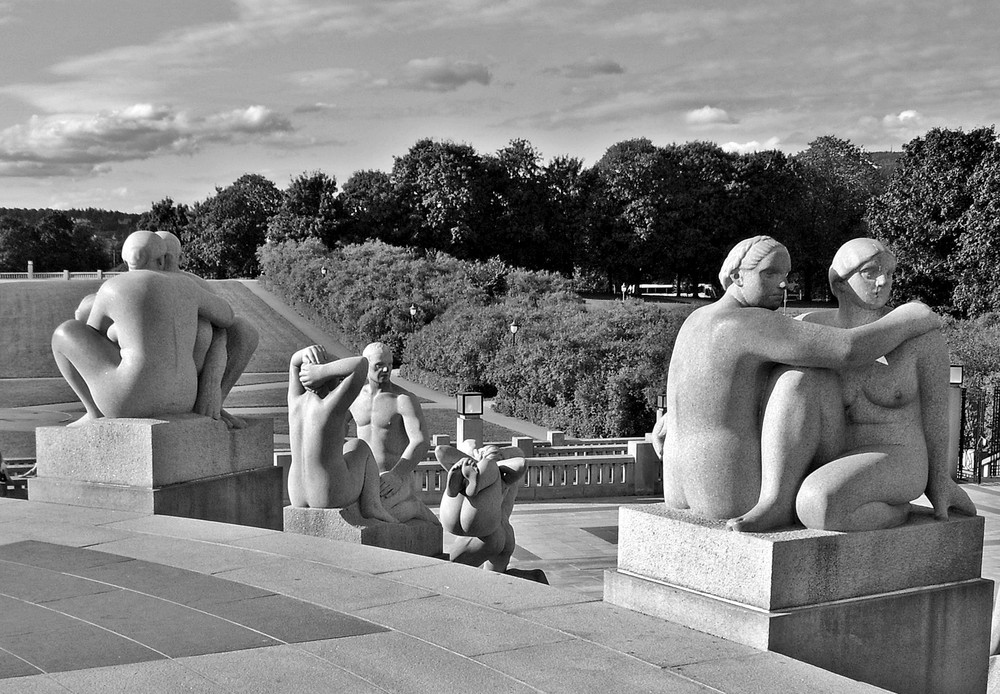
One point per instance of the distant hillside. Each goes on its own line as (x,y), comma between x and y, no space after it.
(106,222)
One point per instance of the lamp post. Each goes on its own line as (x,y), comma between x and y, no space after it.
(469,406)
(661,405)
(323,271)
(413,313)
(956,396)
(513,331)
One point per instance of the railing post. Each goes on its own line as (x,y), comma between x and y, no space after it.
(440,440)
(65,274)
(525,443)
(647,467)
(31,269)
(557,438)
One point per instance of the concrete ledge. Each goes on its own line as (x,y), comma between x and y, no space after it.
(885,640)
(152,452)
(795,567)
(347,525)
(249,497)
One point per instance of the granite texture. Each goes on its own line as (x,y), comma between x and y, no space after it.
(347,525)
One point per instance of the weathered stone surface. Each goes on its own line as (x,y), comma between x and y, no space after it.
(347,525)
(182,465)
(903,609)
(152,452)
(795,567)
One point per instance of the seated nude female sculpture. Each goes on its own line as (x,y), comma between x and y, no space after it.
(719,372)
(328,471)
(848,449)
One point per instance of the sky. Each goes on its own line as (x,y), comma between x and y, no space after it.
(116,104)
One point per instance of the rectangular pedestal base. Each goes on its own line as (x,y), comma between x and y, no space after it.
(250,497)
(347,525)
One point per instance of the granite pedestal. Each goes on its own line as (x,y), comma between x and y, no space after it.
(347,525)
(182,465)
(905,609)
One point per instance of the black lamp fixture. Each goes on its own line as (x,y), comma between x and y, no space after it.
(469,404)
(661,402)
(955,375)
(413,312)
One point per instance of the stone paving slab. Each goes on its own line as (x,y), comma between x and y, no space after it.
(408,624)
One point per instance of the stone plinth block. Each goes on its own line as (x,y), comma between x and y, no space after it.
(152,452)
(904,609)
(347,525)
(795,567)
(185,465)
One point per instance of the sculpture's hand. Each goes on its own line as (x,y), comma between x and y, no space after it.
(920,312)
(389,484)
(945,494)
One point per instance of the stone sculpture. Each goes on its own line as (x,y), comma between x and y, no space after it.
(222,355)
(848,449)
(719,375)
(477,502)
(389,419)
(328,471)
(133,356)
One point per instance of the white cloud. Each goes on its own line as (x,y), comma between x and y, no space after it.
(443,74)
(903,119)
(708,115)
(70,144)
(752,146)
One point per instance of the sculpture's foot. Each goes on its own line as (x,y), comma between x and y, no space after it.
(85,419)
(760,519)
(232,421)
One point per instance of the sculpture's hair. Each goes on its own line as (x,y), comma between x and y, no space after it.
(140,248)
(851,256)
(746,255)
(376,349)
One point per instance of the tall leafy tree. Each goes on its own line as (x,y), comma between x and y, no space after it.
(921,214)
(18,244)
(977,260)
(225,230)
(309,209)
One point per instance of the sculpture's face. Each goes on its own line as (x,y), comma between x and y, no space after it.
(380,366)
(764,286)
(871,283)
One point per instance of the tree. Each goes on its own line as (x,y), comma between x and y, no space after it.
(921,214)
(977,260)
(838,181)
(225,230)
(371,209)
(18,244)
(447,194)
(165,216)
(309,209)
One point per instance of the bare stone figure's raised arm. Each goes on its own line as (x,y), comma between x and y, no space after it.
(719,375)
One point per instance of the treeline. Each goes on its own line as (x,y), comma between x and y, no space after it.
(641,213)
(588,371)
(57,240)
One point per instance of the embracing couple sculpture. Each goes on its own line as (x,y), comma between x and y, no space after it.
(838,420)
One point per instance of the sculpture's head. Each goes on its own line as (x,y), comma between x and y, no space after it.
(172,257)
(861,273)
(143,250)
(757,270)
(379,356)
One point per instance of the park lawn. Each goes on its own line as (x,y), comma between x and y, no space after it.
(33,309)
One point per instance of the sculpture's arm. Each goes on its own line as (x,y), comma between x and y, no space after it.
(311,355)
(416,434)
(214,309)
(775,338)
(351,372)
(932,373)
(209,401)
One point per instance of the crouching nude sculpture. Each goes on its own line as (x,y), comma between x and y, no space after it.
(720,376)
(477,502)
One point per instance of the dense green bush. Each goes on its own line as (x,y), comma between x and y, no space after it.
(589,371)
(975,344)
